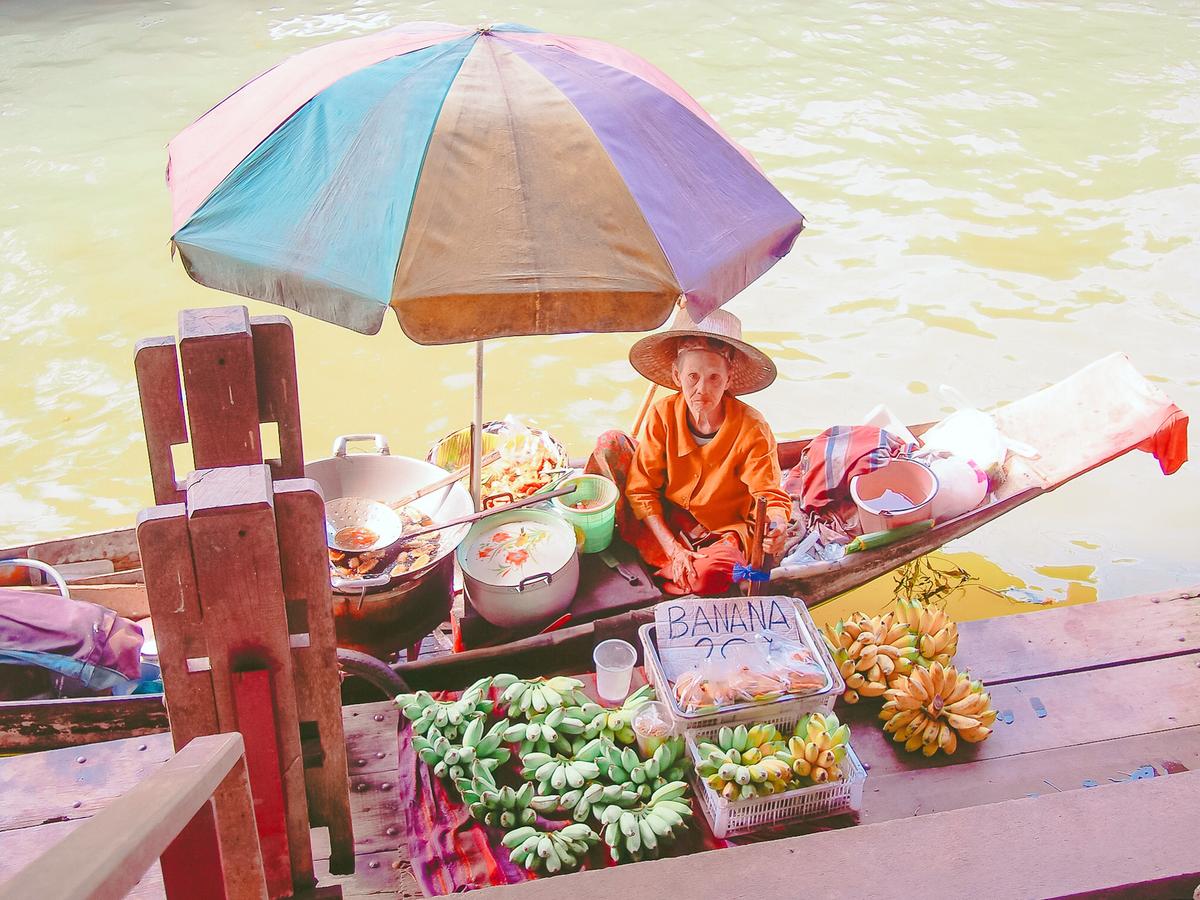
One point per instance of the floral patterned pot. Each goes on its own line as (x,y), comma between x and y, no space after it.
(521,567)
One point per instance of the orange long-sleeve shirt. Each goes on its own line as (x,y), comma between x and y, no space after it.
(717,482)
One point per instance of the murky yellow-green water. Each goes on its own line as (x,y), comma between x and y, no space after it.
(997,192)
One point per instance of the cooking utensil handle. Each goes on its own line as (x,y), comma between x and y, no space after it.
(371,581)
(450,479)
(756,542)
(475,517)
(381,444)
(527,582)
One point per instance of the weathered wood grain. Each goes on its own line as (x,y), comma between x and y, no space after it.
(31,725)
(1077,638)
(924,790)
(105,857)
(72,783)
(278,396)
(118,547)
(175,607)
(156,364)
(231,527)
(128,600)
(216,352)
(1081,707)
(304,566)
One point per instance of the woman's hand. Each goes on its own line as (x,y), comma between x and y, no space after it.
(775,536)
(682,565)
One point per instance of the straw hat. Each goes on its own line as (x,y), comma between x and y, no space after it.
(750,369)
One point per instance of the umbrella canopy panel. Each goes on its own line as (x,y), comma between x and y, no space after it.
(481,183)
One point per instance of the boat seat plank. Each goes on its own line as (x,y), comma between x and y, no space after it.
(936,789)
(75,783)
(1136,839)
(1086,636)
(1081,707)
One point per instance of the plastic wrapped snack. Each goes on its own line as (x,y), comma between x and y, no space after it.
(528,460)
(762,668)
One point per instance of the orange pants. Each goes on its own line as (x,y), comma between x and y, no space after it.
(719,553)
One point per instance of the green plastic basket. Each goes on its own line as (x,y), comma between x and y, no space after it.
(595,523)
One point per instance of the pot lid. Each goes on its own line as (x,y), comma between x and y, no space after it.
(504,553)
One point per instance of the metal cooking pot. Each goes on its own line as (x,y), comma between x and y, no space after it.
(520,567)
(386,478)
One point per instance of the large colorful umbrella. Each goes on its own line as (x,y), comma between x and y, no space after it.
(481,182)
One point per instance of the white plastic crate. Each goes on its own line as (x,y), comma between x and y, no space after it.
(733,817)
(748,713)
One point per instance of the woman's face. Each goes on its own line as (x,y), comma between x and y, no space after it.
(703,376)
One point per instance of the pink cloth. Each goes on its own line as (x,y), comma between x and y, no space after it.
(821,480)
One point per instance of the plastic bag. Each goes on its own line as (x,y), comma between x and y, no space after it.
(762,668)
(529,458)
(973,435)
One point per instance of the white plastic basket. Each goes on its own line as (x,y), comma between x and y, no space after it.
(747,713)
(733,817)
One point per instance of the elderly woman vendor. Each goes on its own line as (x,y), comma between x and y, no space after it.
(689,488)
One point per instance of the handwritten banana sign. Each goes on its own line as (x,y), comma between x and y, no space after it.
(690,630)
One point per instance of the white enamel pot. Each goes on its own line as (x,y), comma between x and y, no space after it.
(520,567)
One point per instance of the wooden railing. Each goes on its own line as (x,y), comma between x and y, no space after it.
(170,816)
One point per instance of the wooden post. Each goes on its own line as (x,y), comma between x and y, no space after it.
(216,351)
(237,580)
(157,367)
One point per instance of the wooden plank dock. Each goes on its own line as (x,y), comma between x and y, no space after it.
(1095,794)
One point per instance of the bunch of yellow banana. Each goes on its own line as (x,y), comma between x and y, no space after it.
(817,748)
(870,650)
(931,709)
(936,636)
(743,762)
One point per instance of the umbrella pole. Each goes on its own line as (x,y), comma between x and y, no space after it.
(477,429)
(643,409)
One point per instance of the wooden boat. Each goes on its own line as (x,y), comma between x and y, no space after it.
(1096,415)
(1114,752)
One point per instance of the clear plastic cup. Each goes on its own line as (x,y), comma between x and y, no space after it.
(614,661)
(652,725)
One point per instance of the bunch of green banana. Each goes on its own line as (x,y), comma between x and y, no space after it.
(449,717)
(530,698)
(549,732)
(623,766)
(451,760)
(638,833)
(817,748)
(554,774)
(745,762)
(615,724)
(500,807)
(554,851)
(581,803)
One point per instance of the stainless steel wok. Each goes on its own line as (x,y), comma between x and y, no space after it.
(386,478)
